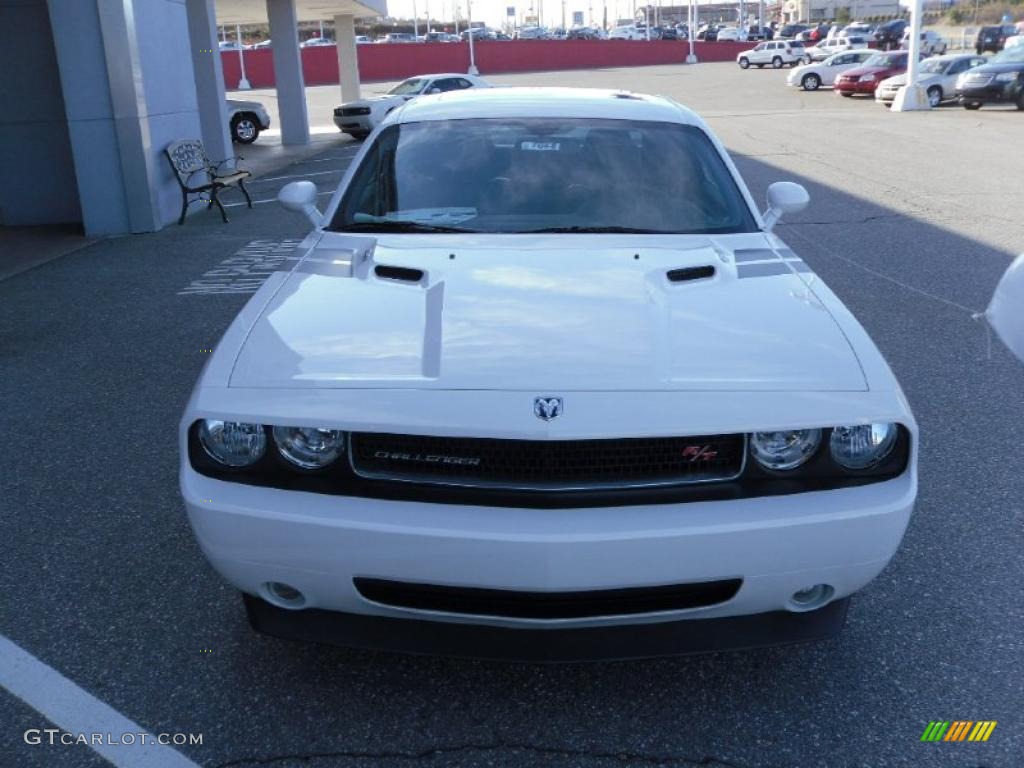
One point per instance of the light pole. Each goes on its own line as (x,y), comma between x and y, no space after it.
(912,97)
(243,83)
(691,17)
(469,33)
(415,21)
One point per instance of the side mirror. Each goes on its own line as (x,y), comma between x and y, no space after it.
(300,197)
(434,90)
(784,197)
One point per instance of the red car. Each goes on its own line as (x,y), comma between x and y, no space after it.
(865,78)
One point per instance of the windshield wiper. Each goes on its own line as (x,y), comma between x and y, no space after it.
(398,226)
(600,230)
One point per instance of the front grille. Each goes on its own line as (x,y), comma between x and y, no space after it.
(512,604)
(547,464)
(977,81)
(351,111)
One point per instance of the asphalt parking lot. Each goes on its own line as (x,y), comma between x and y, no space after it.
(913,219)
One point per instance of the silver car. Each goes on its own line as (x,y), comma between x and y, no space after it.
(936,75)
(359,118)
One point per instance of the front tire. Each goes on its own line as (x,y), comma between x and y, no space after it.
(934,96)
(744,63)
(810,82)
(245,129)
(777,63)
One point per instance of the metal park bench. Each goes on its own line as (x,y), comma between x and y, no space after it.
(198,176)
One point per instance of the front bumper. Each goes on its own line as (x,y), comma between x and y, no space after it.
(886,95)
(354,123)
(993,92)
(857,87)
(320,543)
(547,645)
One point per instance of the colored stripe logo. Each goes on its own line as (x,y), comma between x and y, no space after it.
(958,730)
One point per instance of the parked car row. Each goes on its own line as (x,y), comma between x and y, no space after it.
(969,79)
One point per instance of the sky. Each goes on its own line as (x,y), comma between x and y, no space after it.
(493,12)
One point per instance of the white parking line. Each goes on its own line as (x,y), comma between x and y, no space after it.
(349,156)
(75,711)
(270,200)
(296,176)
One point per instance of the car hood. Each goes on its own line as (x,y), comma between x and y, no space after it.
(530,315)
(995,69)
(901,79)
(372,100)
(858,71)
(236,104)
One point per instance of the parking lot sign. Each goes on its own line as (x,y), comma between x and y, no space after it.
(577,18)
(510,10)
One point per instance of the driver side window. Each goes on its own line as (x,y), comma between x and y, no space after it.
(447,84)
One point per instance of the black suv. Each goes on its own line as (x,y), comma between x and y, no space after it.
(889,35)
(1001,80)
(993,38)
(790,31)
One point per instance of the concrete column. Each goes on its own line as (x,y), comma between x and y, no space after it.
(291,88)
(129,91)
(348,59)
(209,78)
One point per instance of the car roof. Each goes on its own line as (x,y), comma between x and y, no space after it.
(440,74)
(546,102)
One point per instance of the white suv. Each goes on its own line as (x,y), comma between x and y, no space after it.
(774,52)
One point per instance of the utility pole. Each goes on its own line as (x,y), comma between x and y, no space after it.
(415,21)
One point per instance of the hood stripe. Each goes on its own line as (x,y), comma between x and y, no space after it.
(772,268)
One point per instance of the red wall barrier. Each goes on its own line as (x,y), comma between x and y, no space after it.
(398,61)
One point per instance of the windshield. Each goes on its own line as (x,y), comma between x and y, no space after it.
(543,175)
(886,60)
(1011,55)
(934,67)
(404,88)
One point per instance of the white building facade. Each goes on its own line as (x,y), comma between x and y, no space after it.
(94,90)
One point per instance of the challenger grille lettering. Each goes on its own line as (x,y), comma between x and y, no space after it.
(428,458)
(696,453)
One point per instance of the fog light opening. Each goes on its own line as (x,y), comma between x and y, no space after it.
(812,597)
(283,595)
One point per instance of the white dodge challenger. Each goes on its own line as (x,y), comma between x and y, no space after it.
(545,385)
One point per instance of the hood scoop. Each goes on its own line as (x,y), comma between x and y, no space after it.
(401,274)
(688,274)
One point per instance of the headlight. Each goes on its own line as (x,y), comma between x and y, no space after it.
(233,443)
(1006,77)
(309,447)
(784,450)
(863,445)
(866,78)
